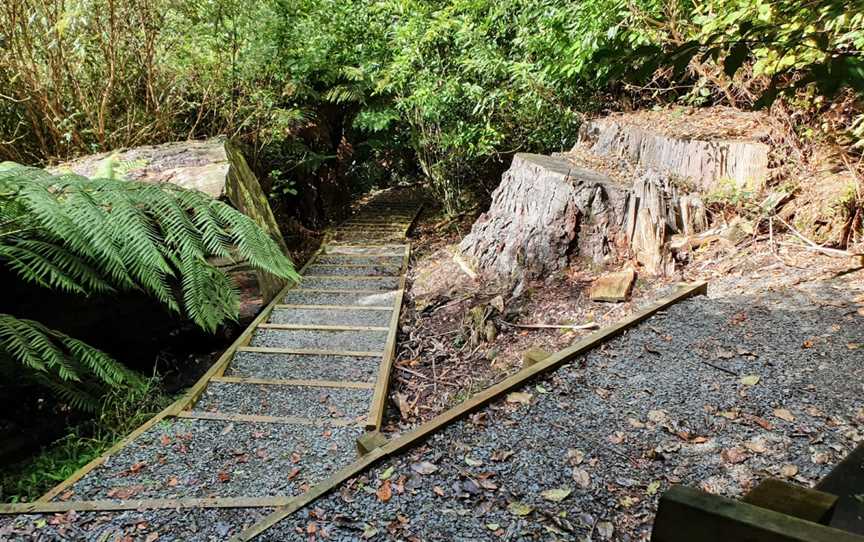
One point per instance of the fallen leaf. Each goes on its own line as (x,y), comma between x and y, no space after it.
(820,458)
(756,445)
(519,397)
(152,537)
(627,501)
(557,494)
(653,488)
(575,457)
(224,476)
(656,416)
(807,344)
(493,526)
(784,414)
(582,478)
(438,491)
(296,457)
(137,467)
(617,437)
(424,467)
(294,472)
(312,528)
(386,474)
(788,470)
(228,429)
(734,455)
(749,380)
(519,509)
(605,530)
(172,481)
(471,462)
(404,405)
(384,491)
(501,455)
(124,493)
(165,440)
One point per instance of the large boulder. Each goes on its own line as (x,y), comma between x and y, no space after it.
(216,167)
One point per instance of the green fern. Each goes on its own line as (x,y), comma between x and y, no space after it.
(90,237)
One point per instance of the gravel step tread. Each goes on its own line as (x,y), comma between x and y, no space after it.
(618,426)
(365,271)
(331,317)
(304,367)
(300,297)
(335,259)
(334,283)
(389,250)
(311,402)
(306,339)
(187,525)
(183,458)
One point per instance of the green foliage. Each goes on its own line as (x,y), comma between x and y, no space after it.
(90,237)
(121,411)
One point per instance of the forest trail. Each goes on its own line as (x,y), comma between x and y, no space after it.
(278,413)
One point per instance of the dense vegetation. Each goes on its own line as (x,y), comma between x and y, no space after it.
(350,93)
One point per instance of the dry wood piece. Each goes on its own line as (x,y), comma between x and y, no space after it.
(613,286)
(369,441)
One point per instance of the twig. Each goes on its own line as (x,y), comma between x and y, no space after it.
(724,369)
(814,246)
(589,325)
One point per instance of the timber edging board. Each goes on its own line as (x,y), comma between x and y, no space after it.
(408,439)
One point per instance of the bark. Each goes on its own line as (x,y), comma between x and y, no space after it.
(705,164)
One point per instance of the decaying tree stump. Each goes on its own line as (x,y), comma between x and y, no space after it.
(547,210)
(704,163)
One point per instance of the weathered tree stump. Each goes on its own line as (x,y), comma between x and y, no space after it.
(547,210)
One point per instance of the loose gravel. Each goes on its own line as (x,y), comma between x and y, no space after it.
(213,524)
(365,271)
(609,433)
(304,367)
(334,317)
(314,403)
(389,250)
(181,458)
(300,297)
(335,283)
(335,259)
(355,341)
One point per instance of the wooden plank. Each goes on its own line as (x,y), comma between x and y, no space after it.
(331,307)
(498,390)
(257,418)
(300,351)
(357,265)
(846,480)
(294,382)
(321,327)
(341,291)
(690,515)
(792,500)
(217,369)
(39,507)
(379,396)
(348,277)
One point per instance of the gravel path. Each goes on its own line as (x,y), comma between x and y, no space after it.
(334,317)
(203,458)
(335,259)
(364,341)
(314,403)
(285,366)
(366,270)
(336,283)
(132,525)
(300,297)
(607,434)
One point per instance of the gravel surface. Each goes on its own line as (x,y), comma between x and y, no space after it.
(363,341)
(368,271)
(614,429)
(389,250)
(334,283)
(206,458)
(334,317)
(201,525)
(315,403)
(358,260)
(290,366)
(300,297)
